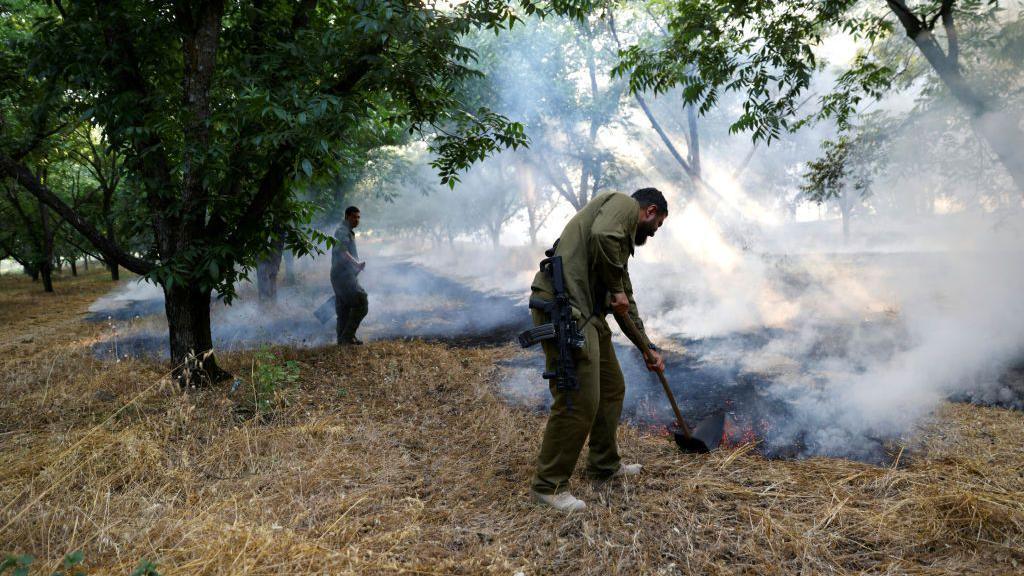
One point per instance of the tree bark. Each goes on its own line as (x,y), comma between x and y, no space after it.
(111,228)
(46,272)
(191,342)
(74,266)
(46,264)
(266,273)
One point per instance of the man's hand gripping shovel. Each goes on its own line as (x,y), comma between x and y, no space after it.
(708,433)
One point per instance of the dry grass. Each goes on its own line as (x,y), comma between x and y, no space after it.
(398,457)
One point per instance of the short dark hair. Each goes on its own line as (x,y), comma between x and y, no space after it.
(350,211)
(651,197)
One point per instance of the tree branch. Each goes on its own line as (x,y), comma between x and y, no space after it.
(952,37)
(911,23)
(112,251)
(654,122)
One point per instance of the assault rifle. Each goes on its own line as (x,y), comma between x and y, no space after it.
(562,328)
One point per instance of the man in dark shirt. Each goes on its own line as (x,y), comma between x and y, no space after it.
(349,297)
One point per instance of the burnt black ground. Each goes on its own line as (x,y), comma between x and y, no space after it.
(710,378)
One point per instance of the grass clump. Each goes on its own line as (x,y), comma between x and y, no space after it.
(270,378)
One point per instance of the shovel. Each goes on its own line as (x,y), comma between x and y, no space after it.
(705,437)
(708,434)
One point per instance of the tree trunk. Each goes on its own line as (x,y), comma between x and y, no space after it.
(266,274)
(531,214)
(46,265)
(693,140)
(188,322)
(46,271)
(85,263)
(74,267)
(34,273)
(1002,132)
(289,268)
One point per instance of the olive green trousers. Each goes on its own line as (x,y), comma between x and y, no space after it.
(592,411)
(351,304)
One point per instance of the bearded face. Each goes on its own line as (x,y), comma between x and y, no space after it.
(646,228)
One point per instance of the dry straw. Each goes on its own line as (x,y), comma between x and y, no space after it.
(398,457)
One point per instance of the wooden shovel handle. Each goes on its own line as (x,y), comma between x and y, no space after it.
(627,325)
(675,407)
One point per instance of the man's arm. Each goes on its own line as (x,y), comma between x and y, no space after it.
(609,245)
(633,327)
(634,312)
(343,247)
(353,260)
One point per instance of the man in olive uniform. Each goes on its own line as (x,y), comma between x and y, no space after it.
(594,246)
(349,297)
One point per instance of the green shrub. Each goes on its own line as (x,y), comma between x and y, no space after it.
(269,378)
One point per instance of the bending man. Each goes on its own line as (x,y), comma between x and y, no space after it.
(594,246)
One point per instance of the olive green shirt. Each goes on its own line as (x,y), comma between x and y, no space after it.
(595,246)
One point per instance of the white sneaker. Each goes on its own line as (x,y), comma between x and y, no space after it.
(563,501)
(628,470)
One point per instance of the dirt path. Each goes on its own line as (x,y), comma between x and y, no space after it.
(399,457)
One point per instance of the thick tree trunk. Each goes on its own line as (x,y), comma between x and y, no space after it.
(74,267)
(115,273)
(188,321)
(181,230)
(34,273)
(46,272)
(85,263)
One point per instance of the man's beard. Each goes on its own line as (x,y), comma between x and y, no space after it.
(642,234)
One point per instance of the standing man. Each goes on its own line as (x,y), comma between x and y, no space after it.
(349,297)
(594,248)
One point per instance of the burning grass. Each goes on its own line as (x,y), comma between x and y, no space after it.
(400,457)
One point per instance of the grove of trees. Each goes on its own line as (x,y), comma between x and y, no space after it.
(194,143)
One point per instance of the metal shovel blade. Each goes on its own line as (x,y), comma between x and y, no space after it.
(706,436)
